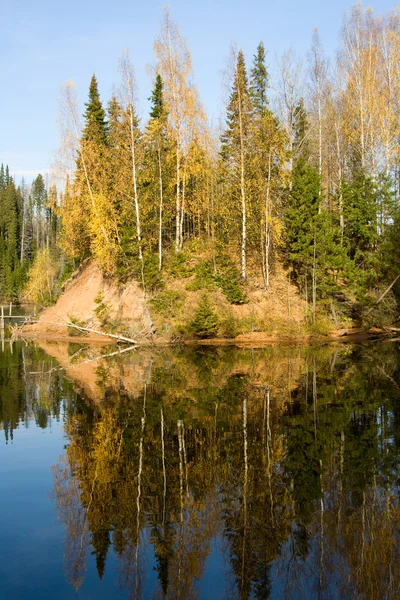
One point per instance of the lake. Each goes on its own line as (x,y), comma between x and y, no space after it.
(200,472)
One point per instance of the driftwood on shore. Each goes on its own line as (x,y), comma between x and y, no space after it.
(119,338)
(369,333)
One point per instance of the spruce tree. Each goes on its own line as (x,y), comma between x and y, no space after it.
(157,150)
(301,210)
(158,109)
(303,200)
(39,202)
(10,228)
(235,150)
(259,80)
(95,129)
(205,322)
(360,196)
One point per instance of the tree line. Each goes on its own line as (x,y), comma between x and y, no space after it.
(304,173)
(28,230)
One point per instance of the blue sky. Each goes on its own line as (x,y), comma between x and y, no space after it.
(44,43)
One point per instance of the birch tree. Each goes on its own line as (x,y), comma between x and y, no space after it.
(132,132)
(174,64)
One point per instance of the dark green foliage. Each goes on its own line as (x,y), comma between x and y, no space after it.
(302,208)
(239,103)
(303,201)
(259,80)
(226,277)
(11,271)
(204,277)
(229,280)
(360,221)
(102,311)
(158,109)
(333,266)
(167,302)
(301,143)
(95,129)
(178,266)
(205,322)
(152,276)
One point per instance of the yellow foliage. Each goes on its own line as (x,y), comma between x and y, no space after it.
(103,229)
(41,278)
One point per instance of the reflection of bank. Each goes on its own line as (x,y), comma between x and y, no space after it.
(213,450)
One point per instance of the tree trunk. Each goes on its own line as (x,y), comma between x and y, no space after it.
(160,248)
(267,226)
(242,187)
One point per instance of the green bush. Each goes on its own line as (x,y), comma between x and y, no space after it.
(102,310)
(178,266)
(167,301)
(72,331)
(229,281)
(205,322)
(204,277)
(227,278)
(229,327)
(151,274)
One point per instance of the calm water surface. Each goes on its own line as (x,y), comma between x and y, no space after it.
(200,473)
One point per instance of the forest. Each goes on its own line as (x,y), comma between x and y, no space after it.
(301,177)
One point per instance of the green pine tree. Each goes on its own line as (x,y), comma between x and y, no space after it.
(360,199)
(205,322)
(259,80)
(95,129)
(301,210)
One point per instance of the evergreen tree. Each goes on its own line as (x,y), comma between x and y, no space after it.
(302,208)
(259,80)
(303,200)
(95,129)
(39,203)
(158,109)
(205,322)
(157,153)
(93,146)
(360,218)
(235,149)
(10,227)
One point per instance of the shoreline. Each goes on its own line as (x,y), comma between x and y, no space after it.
(250,340)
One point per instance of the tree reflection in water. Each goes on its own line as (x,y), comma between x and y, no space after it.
(285,460)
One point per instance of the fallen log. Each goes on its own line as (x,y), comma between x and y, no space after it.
(381,297)
(84,362)
(114,336)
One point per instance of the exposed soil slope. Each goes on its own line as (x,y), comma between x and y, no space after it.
(78,304)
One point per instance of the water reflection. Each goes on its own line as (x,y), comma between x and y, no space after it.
(32,388)
(284,462)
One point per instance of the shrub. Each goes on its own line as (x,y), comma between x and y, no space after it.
(102,310)
(167,301)
(178,266)
(229,327)
(72,331)
(229,281)
(151,274)
(205,322)
(204,277)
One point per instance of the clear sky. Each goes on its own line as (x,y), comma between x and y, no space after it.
(44,43)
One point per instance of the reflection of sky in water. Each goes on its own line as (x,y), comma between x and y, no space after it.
(344,420)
